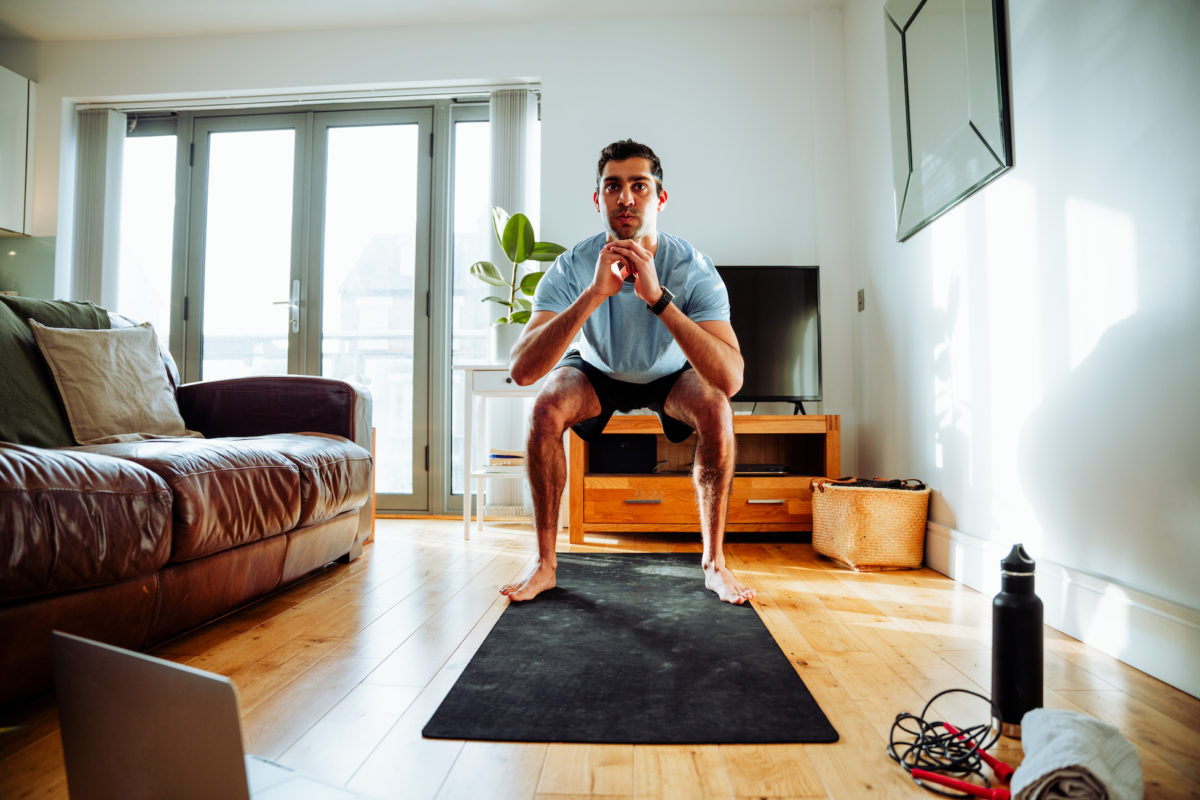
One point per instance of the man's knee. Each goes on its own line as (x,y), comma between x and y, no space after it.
(563,402)
(547,418)
(714,418)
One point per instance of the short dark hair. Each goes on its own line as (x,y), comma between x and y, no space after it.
(626,149)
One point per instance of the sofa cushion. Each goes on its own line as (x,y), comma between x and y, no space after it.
(111,382)
(33,413)
(227,492)
(335,473)
(70,520)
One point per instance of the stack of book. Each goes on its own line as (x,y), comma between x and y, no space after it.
(506,458)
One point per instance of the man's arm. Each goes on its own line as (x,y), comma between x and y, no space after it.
(547,335)
(711,348)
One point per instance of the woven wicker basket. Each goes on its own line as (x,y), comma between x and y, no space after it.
(869,528)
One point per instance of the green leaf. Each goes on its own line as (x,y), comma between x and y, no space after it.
(530,282)
(521,304)
(518,238)
(546,251)
(520,317)
(501,300)
(486,271)
(499,220)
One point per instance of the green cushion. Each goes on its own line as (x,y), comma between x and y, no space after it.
(30,409)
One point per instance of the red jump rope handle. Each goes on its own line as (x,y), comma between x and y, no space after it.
(999,793)
(1003,771)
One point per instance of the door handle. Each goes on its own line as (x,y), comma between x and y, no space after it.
(765,502)
(293,307)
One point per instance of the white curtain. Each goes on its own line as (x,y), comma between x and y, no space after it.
(100,145)
(513,114)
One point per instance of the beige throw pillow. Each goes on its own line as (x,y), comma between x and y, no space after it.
(112,383)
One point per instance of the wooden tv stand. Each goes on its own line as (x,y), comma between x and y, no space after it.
(808,446)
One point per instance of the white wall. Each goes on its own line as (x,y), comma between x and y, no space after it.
(728,103)
(1032,354)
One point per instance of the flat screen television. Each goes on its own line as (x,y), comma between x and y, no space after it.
(776,314)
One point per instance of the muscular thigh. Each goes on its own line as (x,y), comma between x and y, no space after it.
(566,398)
(695,401)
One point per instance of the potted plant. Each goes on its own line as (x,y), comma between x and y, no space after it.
(516,237)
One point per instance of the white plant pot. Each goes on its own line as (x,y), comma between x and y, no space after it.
(501,339)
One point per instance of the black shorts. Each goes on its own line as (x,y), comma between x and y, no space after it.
(618,395)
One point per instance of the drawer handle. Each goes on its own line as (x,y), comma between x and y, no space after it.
(508,379)
(651,502)
(756,502)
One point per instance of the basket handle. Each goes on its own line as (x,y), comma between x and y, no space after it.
(883,483)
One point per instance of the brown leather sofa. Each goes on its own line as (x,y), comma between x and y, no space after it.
(135,542)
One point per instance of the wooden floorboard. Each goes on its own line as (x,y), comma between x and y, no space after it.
(338,675)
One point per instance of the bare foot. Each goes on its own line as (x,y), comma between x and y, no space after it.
(721,581)
(536,581)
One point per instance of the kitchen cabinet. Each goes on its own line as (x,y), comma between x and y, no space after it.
(16,153)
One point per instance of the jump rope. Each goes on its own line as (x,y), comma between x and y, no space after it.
(941,757)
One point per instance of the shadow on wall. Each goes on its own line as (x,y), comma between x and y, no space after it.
(1111,460)
(884,432)
(951,443)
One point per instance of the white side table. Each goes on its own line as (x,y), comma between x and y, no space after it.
(480,382)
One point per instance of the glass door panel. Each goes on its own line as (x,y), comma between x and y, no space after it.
(147,231)
(374,276)
(472,242)
(248,286)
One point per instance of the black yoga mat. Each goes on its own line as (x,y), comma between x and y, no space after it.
(630,648)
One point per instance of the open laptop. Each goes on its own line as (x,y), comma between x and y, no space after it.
(134,726)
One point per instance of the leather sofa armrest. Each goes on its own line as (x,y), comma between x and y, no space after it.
(277,404)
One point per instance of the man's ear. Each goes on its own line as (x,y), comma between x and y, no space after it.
(662,199)
(596,199)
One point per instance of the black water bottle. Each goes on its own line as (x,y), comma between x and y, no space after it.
(1016,643)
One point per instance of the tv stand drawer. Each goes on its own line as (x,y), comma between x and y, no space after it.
(773,500)
(638,498)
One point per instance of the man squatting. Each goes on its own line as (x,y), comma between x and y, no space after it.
(644,345)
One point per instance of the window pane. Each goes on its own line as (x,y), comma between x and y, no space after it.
(369,280)
(248,253)
(147,229)
(472,242)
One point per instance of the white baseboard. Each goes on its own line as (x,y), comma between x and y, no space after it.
(1159,637)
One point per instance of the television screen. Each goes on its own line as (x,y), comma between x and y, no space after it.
(776,314)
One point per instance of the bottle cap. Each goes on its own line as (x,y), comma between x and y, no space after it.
(1018,562)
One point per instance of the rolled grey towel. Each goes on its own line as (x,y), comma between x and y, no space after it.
(1070,756)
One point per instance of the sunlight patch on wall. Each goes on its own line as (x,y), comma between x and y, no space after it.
(1014,350)
(1108,629)
(952,345)
(1101,273)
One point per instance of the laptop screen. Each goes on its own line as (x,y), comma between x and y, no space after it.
(135,726)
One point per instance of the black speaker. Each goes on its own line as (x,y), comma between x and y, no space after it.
(624,452)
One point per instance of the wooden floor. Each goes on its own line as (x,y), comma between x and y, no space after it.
(338,675)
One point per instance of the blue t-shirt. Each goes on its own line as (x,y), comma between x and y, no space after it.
(622,337)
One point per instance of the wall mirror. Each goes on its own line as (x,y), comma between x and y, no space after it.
(947,71)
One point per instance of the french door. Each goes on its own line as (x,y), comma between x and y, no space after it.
(309,253)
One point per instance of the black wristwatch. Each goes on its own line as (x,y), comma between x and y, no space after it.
(663,302)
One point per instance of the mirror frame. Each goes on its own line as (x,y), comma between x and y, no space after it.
(980,149)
